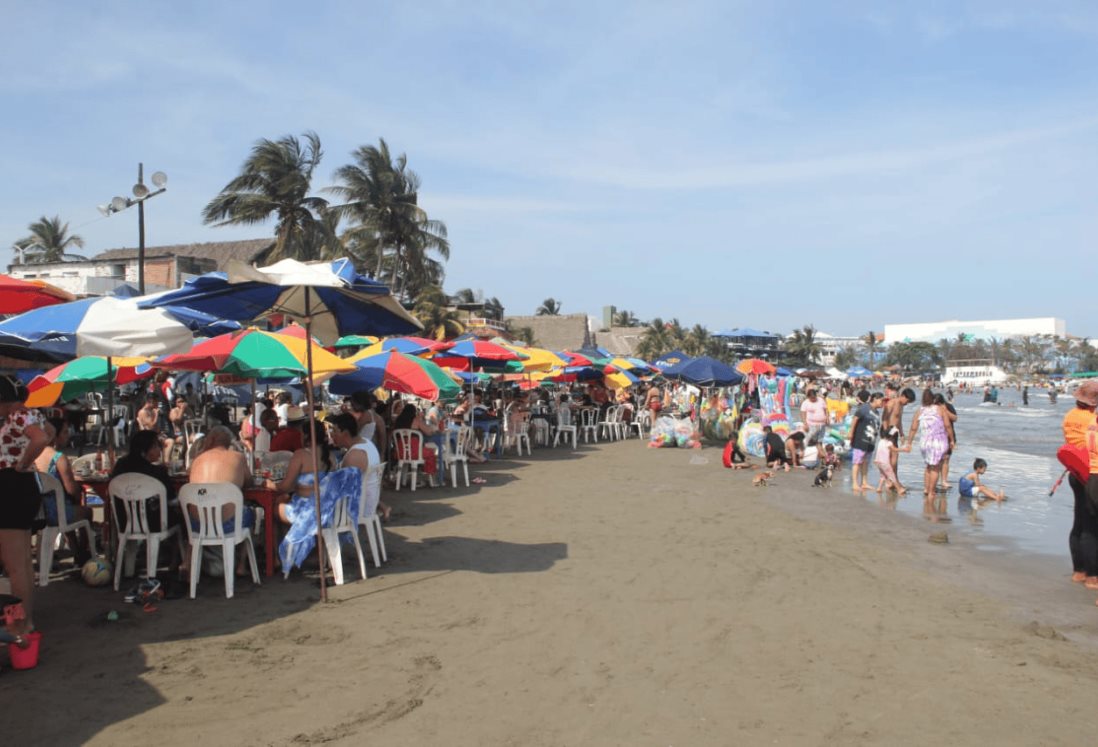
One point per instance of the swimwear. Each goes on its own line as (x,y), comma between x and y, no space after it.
(935,441)
(967,488)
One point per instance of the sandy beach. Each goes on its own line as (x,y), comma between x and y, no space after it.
(612,595)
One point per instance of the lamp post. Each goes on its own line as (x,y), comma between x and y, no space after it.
(140,194)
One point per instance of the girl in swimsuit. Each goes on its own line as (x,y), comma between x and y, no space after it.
(936,441)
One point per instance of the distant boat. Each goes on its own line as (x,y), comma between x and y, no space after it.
(974,373)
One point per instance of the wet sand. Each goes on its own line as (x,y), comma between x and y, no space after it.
(613,595)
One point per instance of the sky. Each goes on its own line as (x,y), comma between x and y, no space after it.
(840,164)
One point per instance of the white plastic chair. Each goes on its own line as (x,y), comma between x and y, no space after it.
(367,513)
(128,493)
(403,439)
(522,435)
(641,420)
(458,454)
(117,425)
(205,502)
(342,523)
(612,424)
(589,425)
(53,490)
(192,429)
(565,426)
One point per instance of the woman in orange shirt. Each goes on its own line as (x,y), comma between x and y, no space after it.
(1083,539)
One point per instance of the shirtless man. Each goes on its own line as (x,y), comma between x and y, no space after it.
(219,463)
(892,422)
(148,419)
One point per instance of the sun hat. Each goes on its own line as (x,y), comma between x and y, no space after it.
(294,413)
(1087,393)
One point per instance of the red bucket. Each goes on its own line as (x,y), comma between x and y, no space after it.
(25,658)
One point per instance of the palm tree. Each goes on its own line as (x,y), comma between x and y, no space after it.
(275,180)
(493,309)
(802,346)
(48,241)
(625,318)
(846,357)
(698,342)
(439,320)
(549,307)
(526,334)
(381,198)
(654,341)
(946,348)
(871,343)
(677,333)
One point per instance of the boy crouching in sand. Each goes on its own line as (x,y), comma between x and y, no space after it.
(733,457)
(970,486)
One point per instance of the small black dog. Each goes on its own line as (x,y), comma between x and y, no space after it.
(823,477)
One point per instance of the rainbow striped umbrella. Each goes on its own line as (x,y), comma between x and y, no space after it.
(82,375)
(397,372)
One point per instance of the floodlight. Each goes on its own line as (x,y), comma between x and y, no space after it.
(119,204)
(159,179)
(140,190)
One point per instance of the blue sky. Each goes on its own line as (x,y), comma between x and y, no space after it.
(846,164)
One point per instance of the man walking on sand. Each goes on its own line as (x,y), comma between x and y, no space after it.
(892,422)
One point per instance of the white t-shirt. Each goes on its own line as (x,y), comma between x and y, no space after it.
(283,410)
(815,413)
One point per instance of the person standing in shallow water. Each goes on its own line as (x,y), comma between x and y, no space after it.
(936,441)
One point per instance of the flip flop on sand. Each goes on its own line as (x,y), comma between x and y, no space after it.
(478,481)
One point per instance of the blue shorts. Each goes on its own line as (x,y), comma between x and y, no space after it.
(49,505)
(229,525)
(967,488)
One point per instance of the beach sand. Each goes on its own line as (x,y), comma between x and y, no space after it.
(612,595)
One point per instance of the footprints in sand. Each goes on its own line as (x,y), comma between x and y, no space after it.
(420,685)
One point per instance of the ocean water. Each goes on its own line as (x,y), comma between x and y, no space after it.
(1019,444)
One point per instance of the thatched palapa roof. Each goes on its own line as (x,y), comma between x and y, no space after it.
(248,251)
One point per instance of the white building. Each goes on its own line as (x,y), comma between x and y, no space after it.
(830,345)
(984,330)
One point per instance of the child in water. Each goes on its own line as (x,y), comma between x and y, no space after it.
(970,486)
(883,459)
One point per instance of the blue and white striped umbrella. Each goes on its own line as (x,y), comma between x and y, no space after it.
(330,296)
(106,326)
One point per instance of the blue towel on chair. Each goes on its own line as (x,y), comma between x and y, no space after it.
(301,539)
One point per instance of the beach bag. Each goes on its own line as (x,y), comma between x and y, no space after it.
(1076,460)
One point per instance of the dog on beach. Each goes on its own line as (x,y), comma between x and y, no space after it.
(823,477)
(760,480)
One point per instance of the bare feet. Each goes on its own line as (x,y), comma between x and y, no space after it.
(1078,577)
(875,489)
(384,509)
(903,491)
(1091,582)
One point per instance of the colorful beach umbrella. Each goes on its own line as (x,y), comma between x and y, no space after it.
(409,345)
(471,354)
(355,341)
(329,298)
(706,371)
(255,354)
(537,359)
(108,326)
(18,295)
(397,372)
(755,366)
(82,375)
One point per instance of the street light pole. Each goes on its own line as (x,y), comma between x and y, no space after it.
(141,232)
(140,194)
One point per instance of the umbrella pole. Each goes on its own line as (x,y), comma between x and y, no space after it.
(315,452)
(108,421)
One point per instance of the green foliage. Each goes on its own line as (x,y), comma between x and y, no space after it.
(801,348)
(48,241)
(380,199)
(913,357)
(432,309)
(549,307)
(275,181)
